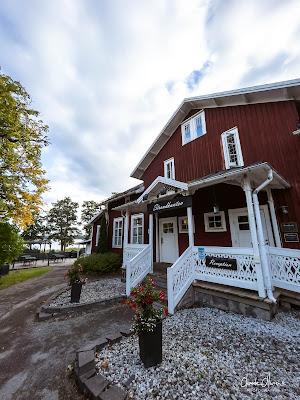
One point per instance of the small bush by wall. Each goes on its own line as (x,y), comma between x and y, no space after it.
(100,263)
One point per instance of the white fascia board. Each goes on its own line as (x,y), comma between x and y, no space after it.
(164,181)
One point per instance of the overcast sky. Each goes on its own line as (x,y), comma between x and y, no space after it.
(107,75)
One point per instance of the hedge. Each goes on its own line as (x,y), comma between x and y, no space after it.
(98,263)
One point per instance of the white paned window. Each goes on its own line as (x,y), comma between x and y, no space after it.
(117,232)
(233,156)
(137,229)
(169,168)
(193,128)
(184,224)
(215,222)
(97,235)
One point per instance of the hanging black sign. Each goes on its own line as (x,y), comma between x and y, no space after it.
(222,263)
(170,204)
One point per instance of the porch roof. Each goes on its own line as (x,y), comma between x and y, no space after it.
(256,172)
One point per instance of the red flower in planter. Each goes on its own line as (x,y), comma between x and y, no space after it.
(166,312)
(141,301)
(162,296)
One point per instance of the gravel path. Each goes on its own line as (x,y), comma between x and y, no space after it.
(210,354)
(103,289)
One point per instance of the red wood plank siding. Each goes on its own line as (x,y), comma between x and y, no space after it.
(265,132)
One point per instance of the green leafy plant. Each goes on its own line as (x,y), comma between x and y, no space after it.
(100,263)
(141,301)
(102,245)
(11,244)
(75,274)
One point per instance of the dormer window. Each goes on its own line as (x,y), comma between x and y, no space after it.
(169,168)
(193,128)
(233,156)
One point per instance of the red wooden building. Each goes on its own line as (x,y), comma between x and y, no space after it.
(220,198)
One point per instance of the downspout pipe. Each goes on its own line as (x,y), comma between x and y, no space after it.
(260,235)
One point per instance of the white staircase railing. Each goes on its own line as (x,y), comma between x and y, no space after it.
(180,277)
(285,268)
(138,267)
(131,250)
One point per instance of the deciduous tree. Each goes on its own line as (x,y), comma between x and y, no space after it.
(62,222)
(88,210)
(22,137)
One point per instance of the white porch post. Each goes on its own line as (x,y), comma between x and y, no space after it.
(262,248)
(125,241)
(273,218)
(190,226)
(156,238)
(151,239)
(260,279)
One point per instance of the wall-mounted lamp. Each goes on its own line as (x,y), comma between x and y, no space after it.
(145,197)
(284,209)
(163,191)
(216,208)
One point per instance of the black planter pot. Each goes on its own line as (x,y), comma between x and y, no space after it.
(150,344)
(76,292)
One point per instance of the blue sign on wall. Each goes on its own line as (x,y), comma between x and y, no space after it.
(201,253)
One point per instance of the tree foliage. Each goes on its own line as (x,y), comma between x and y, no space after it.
(88,210)
(22,137)
(35,231)
(11,244)
(62,222)
(102,245)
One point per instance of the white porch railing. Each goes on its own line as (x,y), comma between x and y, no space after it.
(189,267)
(138,267)
(285,268)
(244,277)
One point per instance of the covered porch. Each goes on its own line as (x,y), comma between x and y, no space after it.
(242,249)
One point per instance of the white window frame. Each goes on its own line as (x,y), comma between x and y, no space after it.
(98,235)
(193,127)
(134,217)
(115,222)
(180,219)
(170,162)
(240,160)
(222,228)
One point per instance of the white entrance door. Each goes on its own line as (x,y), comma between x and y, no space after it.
(239,227)
(168,239)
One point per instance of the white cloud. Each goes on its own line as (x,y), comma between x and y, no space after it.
(107,75)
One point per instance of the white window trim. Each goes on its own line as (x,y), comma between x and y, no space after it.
(224,135)
(223,227)
(133,217)
(166,163)
(113,235)
(179,224)
(191,122)
(97,235)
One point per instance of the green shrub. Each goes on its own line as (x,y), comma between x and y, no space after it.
(11,243)
(100,263)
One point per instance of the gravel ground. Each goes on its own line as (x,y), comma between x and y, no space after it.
(210,354)
(102,289)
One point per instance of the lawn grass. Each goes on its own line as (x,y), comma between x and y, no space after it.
(14,277)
